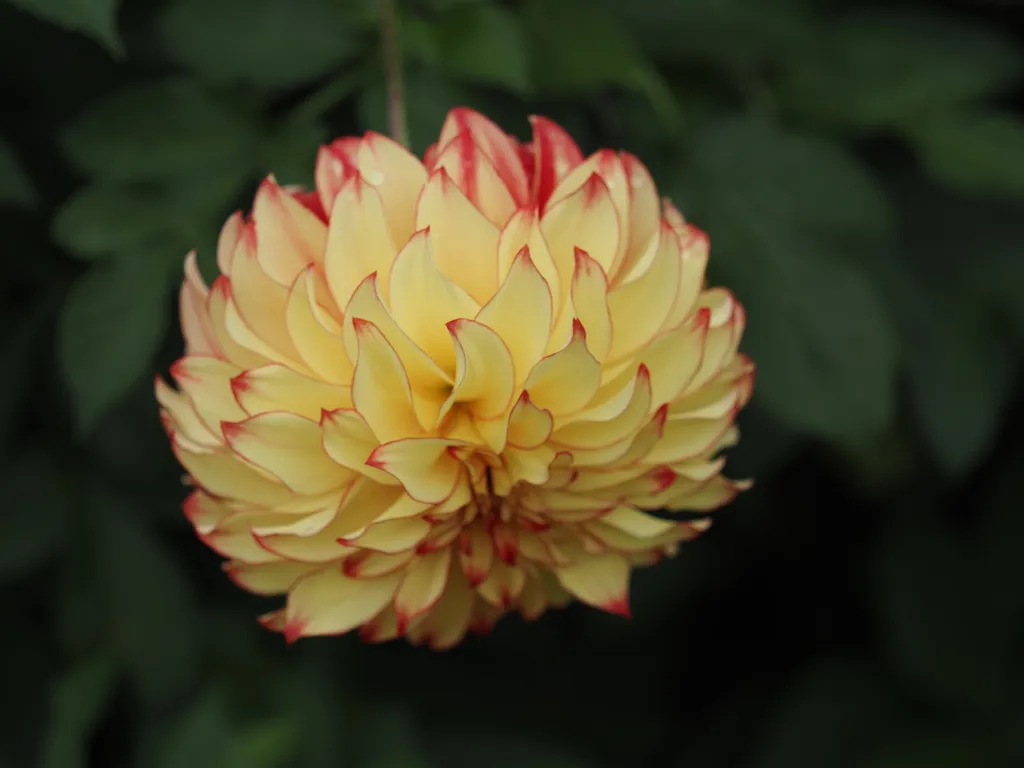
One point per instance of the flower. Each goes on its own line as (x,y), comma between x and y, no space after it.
(431,393)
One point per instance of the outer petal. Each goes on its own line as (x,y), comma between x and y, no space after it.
(277,387)
(335,165)
(349,441)
(195,321)
(523,231)
(447,623)
(499,147)
(289,236)
(398,176)
(329,603)
(644,214)
(555,155)
(315,334)
(473,173)
(422,586)
(590,304)
(424,467)
(599,580)
(585,219)
(207,383)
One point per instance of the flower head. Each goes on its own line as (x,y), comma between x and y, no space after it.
(430,393)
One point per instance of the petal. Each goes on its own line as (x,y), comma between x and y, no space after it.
(709,497)
(358,241)
(525,333)
(523,231)
(335,165)
(218,304)
(638,309)
(563,383)
(598,434)
(529,426)
(315,334)
(195,320)
(555,155)
(291,448)
(484,374)
(380,387)
(503,585)
(366,564)
(277,387)
(267,578)
(695,250)
(675,357)
(463,241)
(225,475)
(590,303)
(423,300)
(685,439)
(228,240)
(476,177)
(391,536)
(288,236)
(636,523)
(585,219)
(206,381)
(447,623)
(422,586)
(599,580)
(531,466)
(184,417)
(476,553)
(349,441)
(500,148)
(399,177)
(424,467)
(644,214)
(329,603)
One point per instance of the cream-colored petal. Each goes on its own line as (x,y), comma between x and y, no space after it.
(335,165)
(484,373)
(329,603)
(590,304)
(422,586)
(601,581)
(525,333)
(380,387)
(227,241)
(206,381)
(695,248)
(219,303)
(476,177)
(503,585)
(358,241)
(277,387)
(598,434)
(636,523)
(523,231)
(195,319)
(391,536)
(267,578)
(291,448)
(184,418)
(224,475)
(289,236)
(476,553)
(424,466)
(349,441)
(644,214)
(585,219)
(500,148)
(367,564)
(315,334)
(529,426)
(447,623)
(555,154)
(563,383)
(398,176)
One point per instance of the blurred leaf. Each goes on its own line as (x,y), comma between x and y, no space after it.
(939,749)
(35,519)
(979,153)
(78,624)
(289,151)
(79,703)
(483,44)
(198,738)
(152,613)
(896,68)
(159,131)
(822,339)
(111,326)
(834,711)
(265,744)
(15,186)
(936,618)
(263,43)
(95,18)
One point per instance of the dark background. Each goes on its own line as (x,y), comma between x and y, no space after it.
(860,168)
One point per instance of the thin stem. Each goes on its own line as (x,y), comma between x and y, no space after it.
(393,72)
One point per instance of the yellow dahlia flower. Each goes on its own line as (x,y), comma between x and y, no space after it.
(430,393)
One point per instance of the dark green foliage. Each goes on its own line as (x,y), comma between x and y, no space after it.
(860,170)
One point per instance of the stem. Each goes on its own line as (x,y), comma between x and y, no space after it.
(393,72)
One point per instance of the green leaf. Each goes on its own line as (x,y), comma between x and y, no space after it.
(36,514)
(936,618)
(111,326)
(975,153)
(833,711)
(266,744)
(79,703)
(263,43)
(483,44)
(774,205)
(95,18)
(161,131)
(152,613)
(289,151)
(896,68)
(15,186)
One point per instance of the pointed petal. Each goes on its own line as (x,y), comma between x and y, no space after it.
(598,434)
(476,177)
(424,467)
(329,603)
(349,441)
(422,586)
(636,523)
(289,237)
(529,426)
(644,214)
(335,165)
(555,155)
(590,303)
(228,240)
(206,381)
(398,176)
(391,536)
(279,388)
(484,374)
(315,334)
(447,623)
(476,553)
(380,387)
(218,304)
(358,242)
(184,417)
(195,319)
(695,250)
(523,231)
(367,564)
(223,474)
(500,148)
(599,580)
(563,383)
(267,578)
(503,586)
(585,219)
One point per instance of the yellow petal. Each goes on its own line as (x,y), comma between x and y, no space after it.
(184,417)
(708,496)
(684,439)
(290,447)
(586,219)
(528,465)
(600,580)
(636,523)
(464,243)
(218,303)
(525,333)
(564,382)
(476,553)
(349,441)
(277,387)
(447,623)
(424,466)
(206,381)
(358,241)
(380,387)
(529,426)
(335,165)
(288,235)
(224,475)
(503,585)
(590,303)
(227,241)
(366,564)
(391,536)
(267,578)
(638,309)
(329,603)
(484,374)
(598,434)
(476,177)
(555,154)
(695,249)
(422,586)
(195,319)
(398,176)
(523,231)
(644,213)
(675,357)
(315,334)
(423,300)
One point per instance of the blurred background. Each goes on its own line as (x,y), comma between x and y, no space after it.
(860,168)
